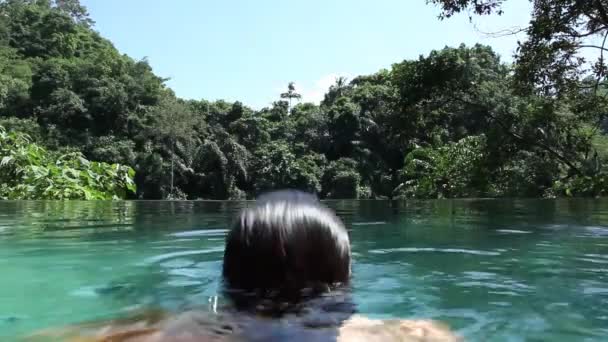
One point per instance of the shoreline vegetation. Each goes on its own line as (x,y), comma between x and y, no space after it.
(80,120)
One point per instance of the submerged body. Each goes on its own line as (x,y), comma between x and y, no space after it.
(195,326)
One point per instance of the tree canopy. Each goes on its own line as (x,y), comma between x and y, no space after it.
(551,59)
(457,122)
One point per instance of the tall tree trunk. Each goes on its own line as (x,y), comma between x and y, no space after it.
(172,162)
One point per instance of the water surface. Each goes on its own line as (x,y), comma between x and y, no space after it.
(499,270)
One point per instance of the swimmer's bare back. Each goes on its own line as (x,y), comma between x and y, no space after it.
(196,326)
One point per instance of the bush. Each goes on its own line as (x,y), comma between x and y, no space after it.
(342,180)
(28,171)
(448,171)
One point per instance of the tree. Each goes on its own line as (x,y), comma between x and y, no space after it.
(344,127)
(221,165)
(341,180)
(336,90)
(277,166)
(15,81)
(454,170)
(77,11)
(176,122)
(251,130)
(291,93)
(550,60)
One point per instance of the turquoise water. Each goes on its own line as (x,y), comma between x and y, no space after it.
(502,270)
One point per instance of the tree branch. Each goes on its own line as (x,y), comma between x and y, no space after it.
(545,147)
(536,142)
(590,33)
(590,86)
(594,46)
(502,33)
(599,77)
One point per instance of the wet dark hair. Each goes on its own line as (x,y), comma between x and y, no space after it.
(288,243)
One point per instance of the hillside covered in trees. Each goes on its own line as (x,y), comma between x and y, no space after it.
(457,122)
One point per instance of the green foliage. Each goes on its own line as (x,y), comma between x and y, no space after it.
(526,174)
(26,126)
(595,185)
(560,32)
(599,142)
(277,167)
(342,180)
(454,123)
(453,170)
(344,127)
(28,171)
(220,166)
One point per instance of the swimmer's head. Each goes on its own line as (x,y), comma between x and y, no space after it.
(286,243)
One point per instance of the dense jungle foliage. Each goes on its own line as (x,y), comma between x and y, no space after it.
(28,171)
(457,122)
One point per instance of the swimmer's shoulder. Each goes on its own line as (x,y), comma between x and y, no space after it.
(359,328)
(194,326)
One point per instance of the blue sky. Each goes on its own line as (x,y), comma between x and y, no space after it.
(249,50)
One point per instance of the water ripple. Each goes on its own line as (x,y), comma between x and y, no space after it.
(434,250)
(373,223)
(513,231)
(514,286)
(594,261)
(480,275)
(166,256)
(202,232)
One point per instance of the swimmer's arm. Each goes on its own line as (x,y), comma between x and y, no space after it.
(141,326)
(359,328)
(144,327)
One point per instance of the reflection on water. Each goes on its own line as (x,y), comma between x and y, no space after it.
(508,270)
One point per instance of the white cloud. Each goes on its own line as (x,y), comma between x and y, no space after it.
(317,91)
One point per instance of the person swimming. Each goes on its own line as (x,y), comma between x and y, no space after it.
(286,270)
(287,247)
